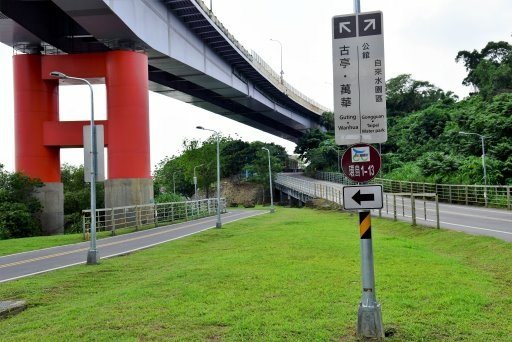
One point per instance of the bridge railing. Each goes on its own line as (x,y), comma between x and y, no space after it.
(263,66)
(499,196)
(138,216)
(416,205)
(311,189)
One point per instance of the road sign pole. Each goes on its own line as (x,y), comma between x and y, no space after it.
(369,316)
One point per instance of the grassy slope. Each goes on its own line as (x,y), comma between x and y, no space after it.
(293,275)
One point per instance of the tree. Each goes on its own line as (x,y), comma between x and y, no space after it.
(327,120)
(490,70)
(308,142)
(77,196)
(19,209)
(405,95)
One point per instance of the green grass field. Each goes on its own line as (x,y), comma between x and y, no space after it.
(293,275)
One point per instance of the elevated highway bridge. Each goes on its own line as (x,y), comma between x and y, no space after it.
(177,48)
(191,56)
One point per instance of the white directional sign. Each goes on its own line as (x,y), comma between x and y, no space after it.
(359,79)
(362,197)
(100,153)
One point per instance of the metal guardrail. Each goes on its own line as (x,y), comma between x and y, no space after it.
(137,216)
(310,189)
(263,67)
(409,204)
(498,196)
(410,207)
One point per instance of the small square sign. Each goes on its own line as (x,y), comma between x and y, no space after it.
(360,154)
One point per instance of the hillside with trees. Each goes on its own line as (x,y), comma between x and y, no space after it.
(239,160)
(424,121)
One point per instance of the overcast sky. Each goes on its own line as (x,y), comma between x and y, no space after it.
(421,38)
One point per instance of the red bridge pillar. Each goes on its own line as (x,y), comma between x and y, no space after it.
(36,101)
(40,135)
(129,170)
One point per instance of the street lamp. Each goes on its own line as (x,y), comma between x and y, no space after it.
(195,181)
(219,223)
(92,253)
(270,180)
(174,181)
(482,138)
(281,45)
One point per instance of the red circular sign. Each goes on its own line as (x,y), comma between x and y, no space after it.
(361,163)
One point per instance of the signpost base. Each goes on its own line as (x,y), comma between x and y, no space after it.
(369,318)
(92,257)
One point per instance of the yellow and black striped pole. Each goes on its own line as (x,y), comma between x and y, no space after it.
(369,316)
(365,224)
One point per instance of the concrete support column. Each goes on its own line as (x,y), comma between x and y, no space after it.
(51,196)
(128,191)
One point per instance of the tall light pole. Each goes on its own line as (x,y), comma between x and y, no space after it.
(482,138)
(281,45)
(174,181)
(195,181)
(92,253)
(270,180)
(219,223)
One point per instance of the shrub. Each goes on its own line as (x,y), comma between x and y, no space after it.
(16,221)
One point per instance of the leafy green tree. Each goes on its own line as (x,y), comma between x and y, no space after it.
(309,141)
(327,120)
(259,164)
(437,166)
(77,196)
(405,95)
(490,69)
(19,209)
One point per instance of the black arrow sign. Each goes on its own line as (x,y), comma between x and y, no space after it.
(359,197)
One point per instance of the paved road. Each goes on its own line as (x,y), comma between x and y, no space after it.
(29,263)
(469,219)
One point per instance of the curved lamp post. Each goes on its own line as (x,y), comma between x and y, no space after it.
(281,45)
(219,223)
(174,181)
(270,180)
(482,138)
(92,253)
(195,180)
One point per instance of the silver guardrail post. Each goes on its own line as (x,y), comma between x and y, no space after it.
(394,208)
(413,209)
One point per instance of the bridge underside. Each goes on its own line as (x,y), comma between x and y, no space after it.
(189,57)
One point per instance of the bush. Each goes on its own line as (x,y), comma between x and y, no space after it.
(19,209)
(169,198)
(72,223)
(249,204)
(16,221)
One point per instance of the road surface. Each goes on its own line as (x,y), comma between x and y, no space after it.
(473,220)
(25,264)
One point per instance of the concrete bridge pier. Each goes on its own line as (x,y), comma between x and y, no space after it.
(40,135)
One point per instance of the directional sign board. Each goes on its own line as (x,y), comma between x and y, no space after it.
(361,163)
(359,80)
(100,155)
(362,197)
